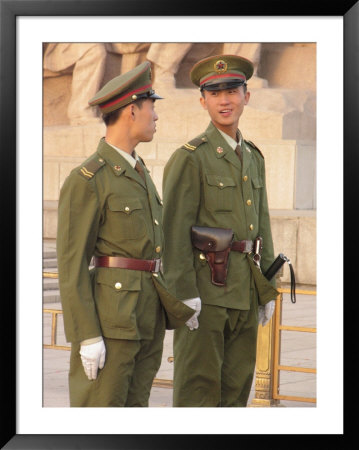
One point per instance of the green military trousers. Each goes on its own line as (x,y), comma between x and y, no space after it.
(214,365)
(126,378)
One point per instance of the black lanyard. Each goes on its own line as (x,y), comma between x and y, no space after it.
(276,265)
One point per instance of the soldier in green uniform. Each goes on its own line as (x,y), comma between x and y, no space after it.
(115,310)
(218,180)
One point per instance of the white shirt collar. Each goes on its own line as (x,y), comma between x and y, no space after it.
(128,157)
(230,141)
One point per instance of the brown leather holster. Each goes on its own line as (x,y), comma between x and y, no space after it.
(215,244)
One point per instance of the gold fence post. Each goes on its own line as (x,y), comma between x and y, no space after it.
(265,360)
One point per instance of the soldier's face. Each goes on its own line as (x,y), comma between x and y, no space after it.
(225,107)
(145,121)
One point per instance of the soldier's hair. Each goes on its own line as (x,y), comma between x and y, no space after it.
(111,117)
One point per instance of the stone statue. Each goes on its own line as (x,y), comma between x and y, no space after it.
(251,51)
(132,54)
(86,62)
(166,58)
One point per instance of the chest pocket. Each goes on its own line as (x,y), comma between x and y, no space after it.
(127,215)
(219,193)
(257,186)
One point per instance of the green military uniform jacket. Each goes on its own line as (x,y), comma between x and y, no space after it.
(206,185)
(106,208)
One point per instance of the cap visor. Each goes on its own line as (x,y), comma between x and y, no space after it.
(155,96)
(222,86)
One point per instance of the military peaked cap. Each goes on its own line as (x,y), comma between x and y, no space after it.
(221,72)
(125,89)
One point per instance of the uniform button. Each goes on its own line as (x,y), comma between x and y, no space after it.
(118,285)
(155,275)
(245,178)
(100,160)
(251,227)
(156,222)
(127,209)
(158,249)
(249,202)
(221,184)
(201,256)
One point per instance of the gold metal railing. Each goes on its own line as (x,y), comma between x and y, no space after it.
(277,367)
(53,344)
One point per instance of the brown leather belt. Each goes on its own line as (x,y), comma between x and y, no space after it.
(244,246)
(147,265)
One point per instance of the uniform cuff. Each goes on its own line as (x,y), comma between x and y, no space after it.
(91,340)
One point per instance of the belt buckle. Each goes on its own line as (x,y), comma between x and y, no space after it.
(158,265)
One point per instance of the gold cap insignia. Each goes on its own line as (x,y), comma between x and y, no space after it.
(220,66)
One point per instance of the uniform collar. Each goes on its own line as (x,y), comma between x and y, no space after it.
(223,149)
(128,157)
(119,164)
(230,141)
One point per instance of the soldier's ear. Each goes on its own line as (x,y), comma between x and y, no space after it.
(131,110)
(203,102)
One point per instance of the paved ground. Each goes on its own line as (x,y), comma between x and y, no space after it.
(297,349)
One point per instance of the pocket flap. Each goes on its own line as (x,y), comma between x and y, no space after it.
(124,205)
(219,181)
(119,279)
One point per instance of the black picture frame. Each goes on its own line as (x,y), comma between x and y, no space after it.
(9,11)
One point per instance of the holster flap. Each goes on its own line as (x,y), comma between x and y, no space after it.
(208,239)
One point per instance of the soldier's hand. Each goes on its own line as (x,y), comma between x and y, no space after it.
(266,312)
(93,358)
(194,303)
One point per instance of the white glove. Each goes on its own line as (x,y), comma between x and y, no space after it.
(194,303)
(266,312)
(93,358)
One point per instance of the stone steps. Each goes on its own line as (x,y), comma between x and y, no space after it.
(49,253)
(49,263)
(50,284)
(51,293)
(51,296)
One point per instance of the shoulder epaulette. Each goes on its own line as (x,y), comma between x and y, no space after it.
(254,146)
(194,143)
(91,166)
